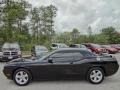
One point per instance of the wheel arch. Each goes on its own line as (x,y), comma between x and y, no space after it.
(22,68)
(99,66)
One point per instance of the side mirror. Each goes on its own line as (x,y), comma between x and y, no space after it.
(50,60)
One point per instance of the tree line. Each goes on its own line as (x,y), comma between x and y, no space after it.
(21,22)
(108,35)
(28,25)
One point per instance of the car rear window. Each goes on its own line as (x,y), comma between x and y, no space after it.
(87,54)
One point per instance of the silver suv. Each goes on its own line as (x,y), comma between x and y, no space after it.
(10,51)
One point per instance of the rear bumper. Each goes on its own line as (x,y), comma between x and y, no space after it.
(112,68)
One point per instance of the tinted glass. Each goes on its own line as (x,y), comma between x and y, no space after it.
(77,56)
(87,54)
(66,56)
(62,57)
(61,54)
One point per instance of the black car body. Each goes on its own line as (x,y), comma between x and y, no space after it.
(63,63)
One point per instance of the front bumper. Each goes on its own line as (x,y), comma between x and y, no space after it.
(7,73)
(9,58)
(112,68)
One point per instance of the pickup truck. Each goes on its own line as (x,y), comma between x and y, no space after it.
(10,51)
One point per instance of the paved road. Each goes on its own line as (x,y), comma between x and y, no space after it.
(110,83)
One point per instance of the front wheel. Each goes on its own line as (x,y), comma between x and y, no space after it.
(22,77)
(95,75)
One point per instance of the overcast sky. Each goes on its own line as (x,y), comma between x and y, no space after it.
(83,13)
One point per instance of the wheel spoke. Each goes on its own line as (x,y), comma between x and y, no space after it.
(92,76)
(21,77)
(96,76)
(21,73)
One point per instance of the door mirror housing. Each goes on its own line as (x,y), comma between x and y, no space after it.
(50,60)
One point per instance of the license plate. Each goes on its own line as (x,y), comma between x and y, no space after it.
(10,57)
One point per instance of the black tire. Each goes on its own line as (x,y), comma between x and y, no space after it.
(27,73)
(89,75)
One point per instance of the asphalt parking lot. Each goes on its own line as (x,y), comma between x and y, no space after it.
(110,83)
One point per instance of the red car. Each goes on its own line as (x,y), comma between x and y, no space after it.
(95,48)
(117,46)
(110,50)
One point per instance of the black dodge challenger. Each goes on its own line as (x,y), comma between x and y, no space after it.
(68,63)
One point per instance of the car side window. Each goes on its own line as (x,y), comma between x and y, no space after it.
(66,56)
(77,56)
(87,54)
(56,55)
(62,57)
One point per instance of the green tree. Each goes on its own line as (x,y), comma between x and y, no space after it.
(13,13)
(42,22)
(111,35)
(75,35)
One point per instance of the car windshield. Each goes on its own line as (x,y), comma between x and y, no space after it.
(44,56)
(11,46)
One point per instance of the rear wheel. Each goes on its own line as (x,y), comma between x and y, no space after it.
(22,77)
(95,75)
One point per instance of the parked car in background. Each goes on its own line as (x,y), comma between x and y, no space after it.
(58,46)
(117,46)
(79,46)
(10,51)
(62,63)
(39,51)
(95,48)
(110,50)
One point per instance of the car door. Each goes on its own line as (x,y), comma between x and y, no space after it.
(55,69)
(63,63)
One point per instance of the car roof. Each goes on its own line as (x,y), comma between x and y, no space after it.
(70,49)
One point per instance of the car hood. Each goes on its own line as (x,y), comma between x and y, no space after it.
(20,60)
